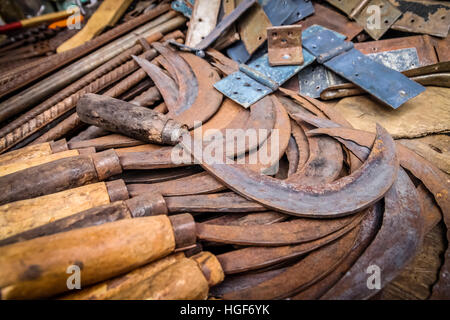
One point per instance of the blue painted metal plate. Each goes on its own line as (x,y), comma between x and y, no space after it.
(389,86)
(304,8)
(181,6)
(246,91)
(316,78)
(278,10)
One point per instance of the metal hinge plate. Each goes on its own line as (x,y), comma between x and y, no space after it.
(389,86)
(246,90)
(316,78)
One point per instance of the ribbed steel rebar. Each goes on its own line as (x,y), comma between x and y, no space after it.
(52,63)
(36,93)
(74,87)
(69,103)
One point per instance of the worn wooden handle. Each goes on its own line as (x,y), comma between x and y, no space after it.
(171,278)
(38,268)
(58,175)
(25,164)
(31,218)
(122,117)
(123,287)
(33,151)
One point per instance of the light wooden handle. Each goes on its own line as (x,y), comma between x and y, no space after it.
(58,175)
(172,278)
(31,218)
(33,151)
(124,287)
(37,268)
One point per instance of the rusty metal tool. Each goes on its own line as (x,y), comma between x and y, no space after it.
(395,244)
(52,109)
(368,230)
(261,257)
(311,268)
(298,200)
(433,179)
(34,276)
(196,99)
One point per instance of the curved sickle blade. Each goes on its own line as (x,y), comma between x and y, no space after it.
(344,196)
(302,274)
(219,202)
(165,84)
(185,78)
(368,231)
(432,177)
(394,246)
(205,183)
(284,233)
(253,258)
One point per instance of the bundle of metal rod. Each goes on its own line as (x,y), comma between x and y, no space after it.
(36,93)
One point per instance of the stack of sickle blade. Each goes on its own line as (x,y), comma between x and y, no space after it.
(345,204)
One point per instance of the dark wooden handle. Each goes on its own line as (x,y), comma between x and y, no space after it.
(58,175)
(122,117)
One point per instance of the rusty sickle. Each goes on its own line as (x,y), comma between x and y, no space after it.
(348,195)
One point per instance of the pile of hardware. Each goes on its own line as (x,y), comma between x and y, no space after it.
(234,149)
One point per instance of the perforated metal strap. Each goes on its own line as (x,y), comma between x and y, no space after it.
(389,86)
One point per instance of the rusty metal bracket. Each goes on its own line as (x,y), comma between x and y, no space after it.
(369,13)
(430,17)
(285,45)
(275,13)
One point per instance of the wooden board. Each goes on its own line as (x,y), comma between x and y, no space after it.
(203,21)
(107,14)
(425,114)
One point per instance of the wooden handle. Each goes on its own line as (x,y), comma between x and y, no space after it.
(146,205)
(37,268)
(122,117)
(58,175)
(172,278)
(21,165)
(124,287)
(22,217)
(182,280)
(33,151)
